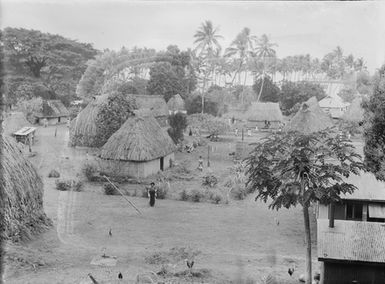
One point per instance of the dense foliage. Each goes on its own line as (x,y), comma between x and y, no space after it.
(112,116)
(214,126)
(374,134)
(270,91)
(178,123)
(193,105)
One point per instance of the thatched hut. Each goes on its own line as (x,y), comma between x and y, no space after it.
(355,112)
(138,149)
(153,105)
(83,128)
(334,106)
(309,118)
(176,104)
(55,113)
(21,199)
(264,115)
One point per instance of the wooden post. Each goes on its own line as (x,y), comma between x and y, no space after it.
(29,143)
(55,131)
(331,215)
(208,156)
(242,133)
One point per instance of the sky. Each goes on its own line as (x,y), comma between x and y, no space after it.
(297,27)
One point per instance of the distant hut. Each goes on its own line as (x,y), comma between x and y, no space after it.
(83,128)
(22,211)
(334,106)
(138,149)
(54,112)
(153,105)
(264,115)
(309,118)
(176,104)
(355,112)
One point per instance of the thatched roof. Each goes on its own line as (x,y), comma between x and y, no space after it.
(57,109)
(14,121)
(151,104)
(139,139)
(309,118)
(176,103)
(22,193)
(83,128)
(355,112)
(332,102)
(264,111)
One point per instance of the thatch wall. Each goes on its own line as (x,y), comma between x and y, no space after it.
(259,113)
(21,202)
(309,118)
(83,129)
(139,139)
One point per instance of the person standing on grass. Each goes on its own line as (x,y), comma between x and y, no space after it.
(200,163)
(152,194)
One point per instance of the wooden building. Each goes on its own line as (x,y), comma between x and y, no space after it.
(138,149)
(334,106)
(351,235)
(54,112)
(25,135)
(264,116)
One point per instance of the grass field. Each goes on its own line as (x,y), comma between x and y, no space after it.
(235,241)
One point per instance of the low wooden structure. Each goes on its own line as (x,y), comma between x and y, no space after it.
(351,234)
(25,135)
(56,113)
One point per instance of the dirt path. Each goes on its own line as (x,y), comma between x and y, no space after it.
(239,237)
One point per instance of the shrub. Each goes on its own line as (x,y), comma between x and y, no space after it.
(184,195)
(67,185)
(196,195)
(178,123)
(109,189)
(90,171)
(215,195)
(239,192)
(209,180)
(162,190)
(54,174)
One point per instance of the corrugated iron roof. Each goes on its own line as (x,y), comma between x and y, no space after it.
(351,241)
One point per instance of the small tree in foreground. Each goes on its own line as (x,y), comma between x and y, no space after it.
(292,168)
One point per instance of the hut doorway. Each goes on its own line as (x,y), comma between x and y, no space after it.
(161,163)
(58,119)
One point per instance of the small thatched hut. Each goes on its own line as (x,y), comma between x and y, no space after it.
(153,105)
(309,118)
(334,106)
(56,113)
(138,149)
(176,104)
(83,128)
(355,112)
(264,115)
(21,199)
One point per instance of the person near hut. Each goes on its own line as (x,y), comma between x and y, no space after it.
(45,122)
(249,132)
(68,122)
(200,163)
(236,131)
(152,194)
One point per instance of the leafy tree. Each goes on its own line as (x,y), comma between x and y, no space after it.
(29,107)
(194,105)
(112,115)
(208,123)
(364,83)
(270,92)
(298,92)
(178,123)
(374,149)
(46,109)
(293,169)
(348,95)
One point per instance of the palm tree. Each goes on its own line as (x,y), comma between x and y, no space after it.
(206,40)
(264,50)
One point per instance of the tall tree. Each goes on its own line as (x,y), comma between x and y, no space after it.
(264,50)
(293,168)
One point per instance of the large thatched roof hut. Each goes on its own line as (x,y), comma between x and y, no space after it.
(21,199)
(176,104)
(309,118)
(264,115)
(138,149)
(355,112)
(153,105)
(83,128)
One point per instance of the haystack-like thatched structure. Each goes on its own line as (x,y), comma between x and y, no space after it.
(176,104)
(83,128)
(58,113)
(153,105)
(138,149)
(355,112)
(309,118)
(264,115)
(21,202)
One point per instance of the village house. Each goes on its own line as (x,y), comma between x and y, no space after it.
(264,116)
(54,113)
(176,105)
(138,149)
(153,105)
(334,106)
(351,234)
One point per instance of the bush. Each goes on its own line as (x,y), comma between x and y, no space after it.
(54,174)
(196,195)
(109,189)
(215,195)
(209,180)
(90,171)
(239,192)
(184,195)
(162,191)
(67,185)
(178,123)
